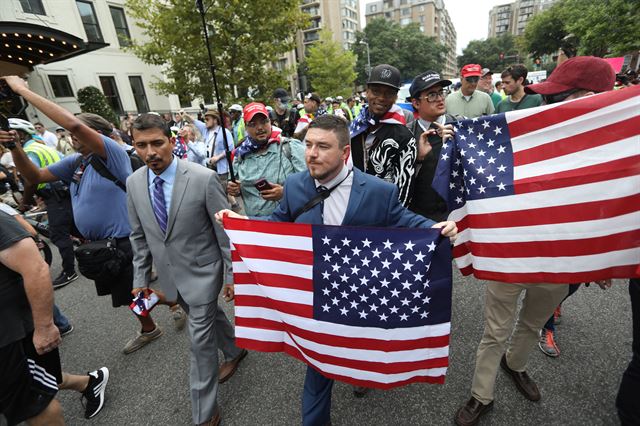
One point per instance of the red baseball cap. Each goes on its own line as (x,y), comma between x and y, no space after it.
(250,111)
(471,70)
(580,72)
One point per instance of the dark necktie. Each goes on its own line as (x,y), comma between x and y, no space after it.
(159,205)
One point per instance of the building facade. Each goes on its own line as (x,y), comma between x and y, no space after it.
(431,15)
(104,28)
(512,18)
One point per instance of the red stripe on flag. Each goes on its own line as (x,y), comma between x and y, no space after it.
(376,367)
(592,210)
(259,323)
(277,228)
(616,169)
(351,342)
(305,311)
(576,108)
(571,144)
(274,280)
(304,257)
(623,272)
(556,248)
(259,345)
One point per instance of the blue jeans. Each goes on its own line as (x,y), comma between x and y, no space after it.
(316,399)
(59,319)
(550,324)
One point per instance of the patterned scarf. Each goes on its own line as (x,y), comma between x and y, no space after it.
(364,120)
(249,145)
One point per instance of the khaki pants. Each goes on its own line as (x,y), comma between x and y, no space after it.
(501,302)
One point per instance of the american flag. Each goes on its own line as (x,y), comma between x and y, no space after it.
(364,119)
(367,306)
(180,150)
(549,194)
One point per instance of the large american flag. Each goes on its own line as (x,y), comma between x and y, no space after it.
(549,194)
(367,306)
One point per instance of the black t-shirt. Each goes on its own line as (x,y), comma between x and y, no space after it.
(287,121)
(15,313)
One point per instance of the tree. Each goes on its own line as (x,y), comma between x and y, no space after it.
(245,37)
(487,52)
(585,27)
(404,47)
(92,100)
(329,68)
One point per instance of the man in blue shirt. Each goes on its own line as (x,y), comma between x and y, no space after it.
(99,204)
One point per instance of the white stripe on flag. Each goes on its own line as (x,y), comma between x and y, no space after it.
(276,293)
(273,267)
(262,334)
(557,264)
(270,240)
(589,157)
(408,333)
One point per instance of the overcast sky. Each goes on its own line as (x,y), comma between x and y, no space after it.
(470,18)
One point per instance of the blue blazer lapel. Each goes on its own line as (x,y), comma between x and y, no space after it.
(356,196)
(309,191)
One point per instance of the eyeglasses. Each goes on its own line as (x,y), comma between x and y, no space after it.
(558,97)
(257,123)
(433,96)
(472,80)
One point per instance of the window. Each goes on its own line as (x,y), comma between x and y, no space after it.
(110,91)
(61,87)
(120,23)
(89,21)
(405,21)
(406,11)
(374,8)
(32,6)
(137,87)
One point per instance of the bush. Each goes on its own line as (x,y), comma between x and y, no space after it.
(92,100)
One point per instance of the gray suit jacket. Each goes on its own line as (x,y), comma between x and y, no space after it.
(193,257)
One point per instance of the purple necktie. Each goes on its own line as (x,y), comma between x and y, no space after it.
(159,206)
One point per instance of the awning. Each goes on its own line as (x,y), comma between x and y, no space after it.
(29,44)
(616,63)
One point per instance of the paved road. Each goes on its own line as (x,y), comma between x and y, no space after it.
(150,387)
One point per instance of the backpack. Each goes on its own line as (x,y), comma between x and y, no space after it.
(101,168)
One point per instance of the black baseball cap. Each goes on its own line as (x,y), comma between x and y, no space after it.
(425,81)
(385,74)
(281,93)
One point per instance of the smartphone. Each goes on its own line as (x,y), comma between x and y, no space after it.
(262,185)
(143,305)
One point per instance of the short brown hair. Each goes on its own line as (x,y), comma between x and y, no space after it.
(335,124)
(515,72)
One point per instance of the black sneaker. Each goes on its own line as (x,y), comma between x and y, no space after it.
(66,330)
(64,279)
(94,393)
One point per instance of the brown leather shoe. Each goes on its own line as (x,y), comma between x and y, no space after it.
(470,413)
(213,421)
(228,368)
(525,385)
(360,391)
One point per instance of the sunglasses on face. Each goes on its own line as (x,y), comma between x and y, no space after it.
(558,97)
(472,80)
(433,96)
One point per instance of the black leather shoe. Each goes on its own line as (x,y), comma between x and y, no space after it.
(360,391)
(470,413)
(525,385)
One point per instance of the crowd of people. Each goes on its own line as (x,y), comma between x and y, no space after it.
(163,183)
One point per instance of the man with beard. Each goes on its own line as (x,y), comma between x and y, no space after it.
(262,162)
(513,79)
(381,145)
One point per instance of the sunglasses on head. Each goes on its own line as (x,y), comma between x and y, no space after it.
(473,79)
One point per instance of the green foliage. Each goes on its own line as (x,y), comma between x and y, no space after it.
(404,47)
(585,27)
(329,68)
(487,53)
(244,37)
(92,100)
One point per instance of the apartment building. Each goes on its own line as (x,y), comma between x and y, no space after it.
(431,15)
(512,18)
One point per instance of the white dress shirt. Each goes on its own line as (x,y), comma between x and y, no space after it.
(335,206)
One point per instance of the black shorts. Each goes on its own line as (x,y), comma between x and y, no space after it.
(28,381)
(119,287)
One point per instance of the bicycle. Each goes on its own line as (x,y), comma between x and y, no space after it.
(39,222)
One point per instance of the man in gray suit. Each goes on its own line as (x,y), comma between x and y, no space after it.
(171,211)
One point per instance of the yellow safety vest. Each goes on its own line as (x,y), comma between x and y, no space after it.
(46,156)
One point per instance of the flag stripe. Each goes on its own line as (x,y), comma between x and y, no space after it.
(271,239)
(623,272)
(281,294)
(260,266)
(283,229)
(275,280)
(576,143)
(589,157)
(555,232)
(349,342)
(583,106)
(597,191)
(296,309)
(624,167)
(304,257)
(547,248)
(553,215)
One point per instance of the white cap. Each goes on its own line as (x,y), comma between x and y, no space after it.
(235,107)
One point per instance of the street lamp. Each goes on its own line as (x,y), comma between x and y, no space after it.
(368,68)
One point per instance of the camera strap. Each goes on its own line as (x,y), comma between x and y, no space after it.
(322,195)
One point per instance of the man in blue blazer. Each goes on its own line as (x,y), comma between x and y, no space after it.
(331,194)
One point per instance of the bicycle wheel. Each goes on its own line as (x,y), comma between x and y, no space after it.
(45,251)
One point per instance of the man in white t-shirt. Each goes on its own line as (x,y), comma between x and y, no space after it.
(49,138)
